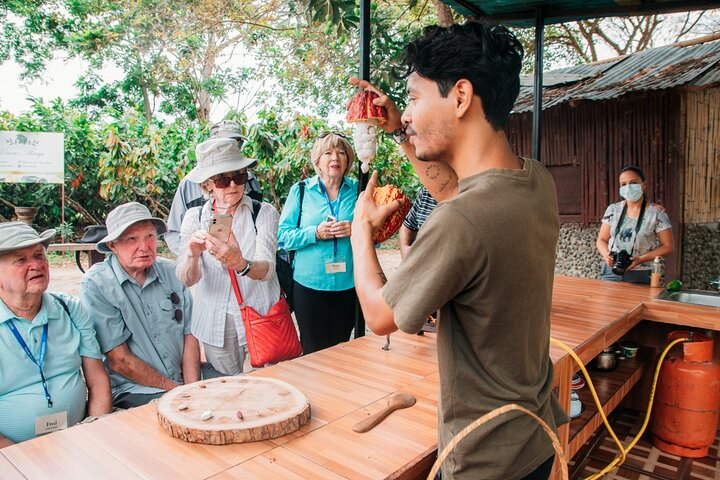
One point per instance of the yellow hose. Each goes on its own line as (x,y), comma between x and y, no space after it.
(623,451)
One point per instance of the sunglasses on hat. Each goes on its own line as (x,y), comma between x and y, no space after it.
(341,135)
(223,181)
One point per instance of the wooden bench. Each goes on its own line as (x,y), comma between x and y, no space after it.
(93,255)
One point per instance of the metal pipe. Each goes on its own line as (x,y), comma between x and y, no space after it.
(537,101)
(365,75)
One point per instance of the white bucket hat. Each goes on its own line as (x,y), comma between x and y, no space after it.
(17,235)
(123,217)
(228,129)
(216,156)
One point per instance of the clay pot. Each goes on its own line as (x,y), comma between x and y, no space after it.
(26,214)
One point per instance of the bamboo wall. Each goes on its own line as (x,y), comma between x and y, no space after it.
(702,156)
(586,144)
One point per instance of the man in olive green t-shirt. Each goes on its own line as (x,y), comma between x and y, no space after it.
(485,258)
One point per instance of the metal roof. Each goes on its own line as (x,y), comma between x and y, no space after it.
(524,12)
(654,69)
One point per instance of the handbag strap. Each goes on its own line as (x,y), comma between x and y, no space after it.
(236,287)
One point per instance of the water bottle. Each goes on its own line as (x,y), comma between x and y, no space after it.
(656,272)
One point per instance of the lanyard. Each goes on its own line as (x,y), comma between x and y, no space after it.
(332,211)
(41,359)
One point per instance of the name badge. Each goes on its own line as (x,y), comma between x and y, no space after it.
(335,267)
(50,423)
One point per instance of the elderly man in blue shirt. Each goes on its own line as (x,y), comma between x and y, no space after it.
(141,311)
(52,374)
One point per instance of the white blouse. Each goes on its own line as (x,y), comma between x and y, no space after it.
(213,296)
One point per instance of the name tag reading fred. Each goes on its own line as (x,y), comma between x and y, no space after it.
(50,423)
(336,265)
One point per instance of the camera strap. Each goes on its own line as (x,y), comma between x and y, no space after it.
(637,225)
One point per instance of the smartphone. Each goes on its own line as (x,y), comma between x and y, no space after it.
(220,226)
(330,218)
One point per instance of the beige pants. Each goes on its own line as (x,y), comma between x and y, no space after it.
(229,358)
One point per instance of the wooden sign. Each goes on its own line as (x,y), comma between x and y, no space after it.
(32,157)
(233,410)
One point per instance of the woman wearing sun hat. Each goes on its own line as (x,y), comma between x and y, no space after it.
(52,373)
(206,261)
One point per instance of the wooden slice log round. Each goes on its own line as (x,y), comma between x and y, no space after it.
(232,410)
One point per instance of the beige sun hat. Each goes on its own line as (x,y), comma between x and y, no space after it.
(216,156)
(123,217)
(17,235)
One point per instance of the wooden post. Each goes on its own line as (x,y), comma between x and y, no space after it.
(62,211)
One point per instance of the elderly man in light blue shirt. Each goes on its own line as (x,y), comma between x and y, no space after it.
(141,311)
(51,372)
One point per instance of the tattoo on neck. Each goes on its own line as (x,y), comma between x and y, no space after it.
(443,185)
(432,171)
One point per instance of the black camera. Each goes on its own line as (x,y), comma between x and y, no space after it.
(621,261)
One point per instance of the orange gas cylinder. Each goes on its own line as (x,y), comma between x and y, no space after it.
(687,399)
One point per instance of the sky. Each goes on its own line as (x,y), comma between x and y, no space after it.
(58,80)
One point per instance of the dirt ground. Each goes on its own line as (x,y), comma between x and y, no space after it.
(66,277)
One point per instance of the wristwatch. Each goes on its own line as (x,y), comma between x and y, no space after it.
(399,135)
(246,270)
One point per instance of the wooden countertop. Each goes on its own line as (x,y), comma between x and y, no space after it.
(343,384)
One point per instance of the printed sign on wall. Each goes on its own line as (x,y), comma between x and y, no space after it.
(32,157)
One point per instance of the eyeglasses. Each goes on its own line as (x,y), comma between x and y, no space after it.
(333,132)
(175,299)
(223,181)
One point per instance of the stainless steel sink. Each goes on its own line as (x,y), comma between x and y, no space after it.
(696,297)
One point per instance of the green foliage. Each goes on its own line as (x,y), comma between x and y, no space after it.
(325,53)
(143,161)
(113,158)
(82,150)
(283,147)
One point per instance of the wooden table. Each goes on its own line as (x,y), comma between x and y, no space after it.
(343,384)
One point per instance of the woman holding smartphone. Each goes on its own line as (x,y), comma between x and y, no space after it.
(323,285)
(219,239)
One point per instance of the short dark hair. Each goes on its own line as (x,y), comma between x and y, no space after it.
(635,169)
(488,56)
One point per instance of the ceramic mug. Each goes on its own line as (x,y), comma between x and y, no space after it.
(629,349)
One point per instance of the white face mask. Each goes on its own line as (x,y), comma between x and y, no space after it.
(631,192)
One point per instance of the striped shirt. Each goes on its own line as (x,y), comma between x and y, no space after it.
(421,209)
(21,393)
(213,296)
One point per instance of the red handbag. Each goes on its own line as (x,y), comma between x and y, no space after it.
(271,338)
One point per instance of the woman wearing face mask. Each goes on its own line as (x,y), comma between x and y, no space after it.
(635,226)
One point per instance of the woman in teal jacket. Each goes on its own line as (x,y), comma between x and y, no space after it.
(323,286)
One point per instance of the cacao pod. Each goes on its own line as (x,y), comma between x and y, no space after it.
(383,196)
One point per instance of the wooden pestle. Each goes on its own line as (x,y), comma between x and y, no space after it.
(396,402)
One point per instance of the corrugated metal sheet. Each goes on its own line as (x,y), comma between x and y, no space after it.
(523,12)
(654,69)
